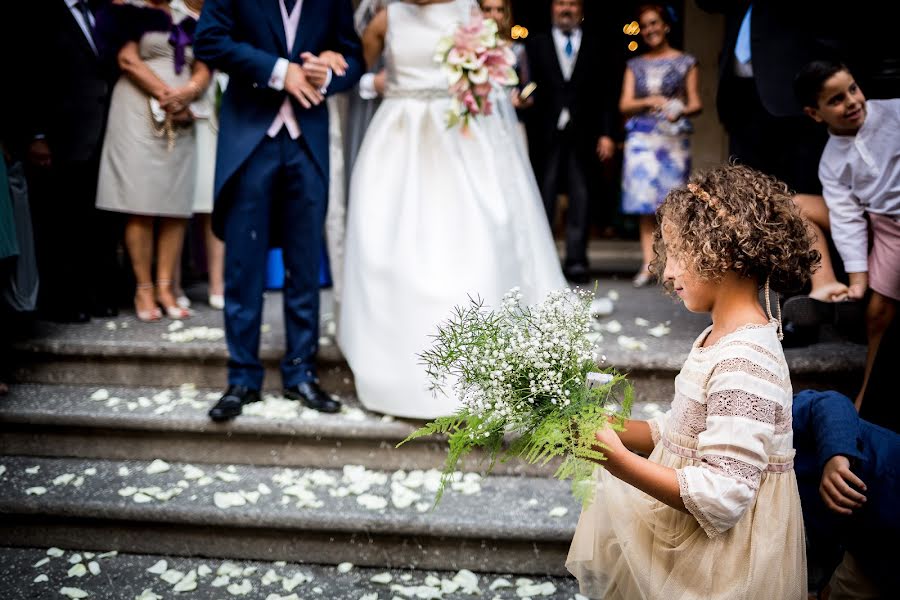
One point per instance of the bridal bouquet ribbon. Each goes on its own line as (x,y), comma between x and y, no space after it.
(529,385)
(474,58)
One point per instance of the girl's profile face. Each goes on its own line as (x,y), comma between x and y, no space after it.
(494,10)
(698,295)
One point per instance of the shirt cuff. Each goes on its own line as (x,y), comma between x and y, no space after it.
(279,74)
(328,79)
(856,266)
(367,87)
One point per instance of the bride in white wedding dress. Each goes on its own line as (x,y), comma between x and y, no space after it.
(435,217)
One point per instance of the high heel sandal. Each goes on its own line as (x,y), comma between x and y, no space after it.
(173,311)
(146,316)
(217,301)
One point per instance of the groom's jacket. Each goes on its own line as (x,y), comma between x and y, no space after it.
(245,38)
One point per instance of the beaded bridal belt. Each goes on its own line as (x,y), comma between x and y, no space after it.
(420,94)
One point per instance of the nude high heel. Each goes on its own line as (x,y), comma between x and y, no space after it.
(146,316)
(174,311)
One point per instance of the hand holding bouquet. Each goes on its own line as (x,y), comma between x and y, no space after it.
(474,57)
(528,372)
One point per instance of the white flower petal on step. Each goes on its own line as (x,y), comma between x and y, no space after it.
(187,583)
(113,402)
(523,581)
(558,511)
(500,583)
(205,480)
(612,327)
(142,498)
(203,571)
(2,470)
(270,577)
(33,470)
(110,554)
(73,593)
(659,331)
(36,491)
(172,576)
(229,569)
(64,479)
(345,567)
(41,562)
(148,594)
(78,481)
(75,559)
(613,295)
(78,570)
(372,502)
(248,571)
(382,578)
(406,577)
(183,484)
(448,587)
(191,472)
(55,552)
(124,471)
(226,500)
(250,497)
(88,555)
(289,583)
(176,325)
(539,589)
(265,328)
(263,489)
(468,581)
(42,578)
(159,568)
(433,581)
(100,395)
(240,589)
(90,471)
(369,596)
(630,343)
(228,477)
(128,491)
(641,322)
(94,568)
(156,467)
(423,507)
(220,581)
(580,597)
(111,325)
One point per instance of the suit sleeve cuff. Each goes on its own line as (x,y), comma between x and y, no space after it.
(328,79)
(279,74)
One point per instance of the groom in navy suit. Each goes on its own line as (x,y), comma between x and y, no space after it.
(272,173)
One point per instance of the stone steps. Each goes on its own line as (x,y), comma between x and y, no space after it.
(172,424)
(125,576)
(315,516)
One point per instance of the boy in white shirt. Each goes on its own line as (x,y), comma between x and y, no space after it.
(860,175)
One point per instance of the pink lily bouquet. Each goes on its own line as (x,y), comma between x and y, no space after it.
(474,58)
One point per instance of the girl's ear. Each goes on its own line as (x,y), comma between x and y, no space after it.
(813,113)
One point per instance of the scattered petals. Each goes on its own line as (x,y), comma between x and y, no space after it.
(42,578)
(225,500)
(500,583)
(540,589)
(55,552)
(241,589)
(641,322)
(36,491)
(383,578)
(371,502)
(630,343)
(172,576)
(344,567)
(148,594)
(100,395)
(203,570)
(157,466)
(187,583)
(78,570)
(559,511)
(660,330)
(73,593)
(94,568)
(159,568)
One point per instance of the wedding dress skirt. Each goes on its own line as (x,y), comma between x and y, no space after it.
(436,217)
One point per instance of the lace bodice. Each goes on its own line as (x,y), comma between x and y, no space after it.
(412,37)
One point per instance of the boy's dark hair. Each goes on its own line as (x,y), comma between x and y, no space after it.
(809,81)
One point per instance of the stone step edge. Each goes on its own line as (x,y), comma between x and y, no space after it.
(831,359)
(352,519)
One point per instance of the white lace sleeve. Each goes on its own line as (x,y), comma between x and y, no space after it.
(745,396)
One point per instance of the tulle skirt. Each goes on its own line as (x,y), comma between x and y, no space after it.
(629,546)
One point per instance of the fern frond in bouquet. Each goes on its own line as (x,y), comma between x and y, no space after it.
(529,373)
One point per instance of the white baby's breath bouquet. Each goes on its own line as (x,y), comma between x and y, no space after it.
(530,374)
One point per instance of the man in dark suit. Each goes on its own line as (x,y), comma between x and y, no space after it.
(273,152)
(68,99)
(766,44)
(572,121)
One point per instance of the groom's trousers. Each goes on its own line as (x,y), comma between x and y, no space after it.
(278,189)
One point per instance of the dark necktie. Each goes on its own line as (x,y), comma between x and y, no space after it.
(289,5)
(570,49)
(85,11)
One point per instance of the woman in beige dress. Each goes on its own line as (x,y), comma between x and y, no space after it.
(148,165)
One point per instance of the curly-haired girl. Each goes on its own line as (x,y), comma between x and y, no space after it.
(714,512)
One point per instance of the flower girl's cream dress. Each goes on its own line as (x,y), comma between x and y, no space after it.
(729,437)
(435,216)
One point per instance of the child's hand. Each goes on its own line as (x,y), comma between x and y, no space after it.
(859,283)
(614,446)
(835,489)
(335,62)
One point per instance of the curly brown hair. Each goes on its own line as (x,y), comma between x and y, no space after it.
(734,218)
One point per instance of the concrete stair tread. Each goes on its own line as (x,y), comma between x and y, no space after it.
(124,576)
(75,503)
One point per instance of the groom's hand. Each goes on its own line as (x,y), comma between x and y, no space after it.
(297,84)
(316,69)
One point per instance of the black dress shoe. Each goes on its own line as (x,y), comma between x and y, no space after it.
(313,396)
(577,273)
(232,403)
